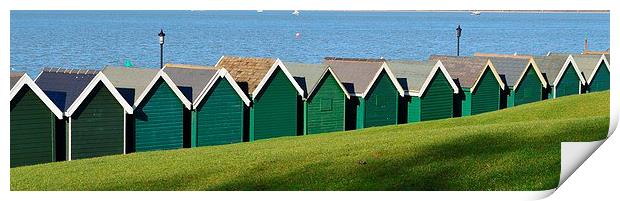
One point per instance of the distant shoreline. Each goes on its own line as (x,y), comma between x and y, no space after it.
(482,11)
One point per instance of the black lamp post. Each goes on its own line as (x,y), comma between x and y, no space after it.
(458,39)
(161,48)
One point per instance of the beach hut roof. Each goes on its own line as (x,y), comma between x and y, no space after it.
(255,72)
(130,77)
(510,69)
(587,63)
(306,75)
(14,77)
(415,76)
(550,65)
(466,69)
(190,76)
(20,79)
(68,88)
(358,75)
(141,80)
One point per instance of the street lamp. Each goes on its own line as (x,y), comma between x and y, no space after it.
(458,39)
(161,48)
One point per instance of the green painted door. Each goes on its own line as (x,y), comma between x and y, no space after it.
(486,96)
(97,126)
(530,89)
(438,99)
(326,109)
(569,83)
(381,103)
(159,120)
(219,117)
(32,130)
(600,82)
(275,109)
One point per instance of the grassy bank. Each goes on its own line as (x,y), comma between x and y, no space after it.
(512,149)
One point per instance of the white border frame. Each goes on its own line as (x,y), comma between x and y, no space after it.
(25,80)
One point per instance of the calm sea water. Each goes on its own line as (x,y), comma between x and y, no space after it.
(93,39)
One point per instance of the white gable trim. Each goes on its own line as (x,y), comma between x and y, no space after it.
(489,64)
(276,65)
(438,67)
(389,73)
(602,60)
(171,84)
(532,63)
(100,77)
(25,80)
(569,60)
(221,73)
(329,70)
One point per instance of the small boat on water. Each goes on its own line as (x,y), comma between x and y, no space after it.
(474,13)
(259,11)
(295,12)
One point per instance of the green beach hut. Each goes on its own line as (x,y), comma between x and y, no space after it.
(374,91)
(525,81)
(595,69)
(429,90)
(218,104)
(34,124)
(95,111)
(563,75)
(277,105)
(157,120)
(482,88)
(324,97)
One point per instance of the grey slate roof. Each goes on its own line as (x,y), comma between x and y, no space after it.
(608,58)
(306,75)
(14,77)
(586,63)
(550,66)
(411,74)
(509,69)
(465,70)
(136,79)
(190,80)
(63,86)
(355,74)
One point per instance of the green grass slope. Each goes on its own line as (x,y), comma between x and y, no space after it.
(512,149)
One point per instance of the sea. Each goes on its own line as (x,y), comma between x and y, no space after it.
(95,39)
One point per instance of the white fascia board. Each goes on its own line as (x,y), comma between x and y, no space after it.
(161,74)
(274,67)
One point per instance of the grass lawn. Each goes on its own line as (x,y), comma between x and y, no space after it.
(512,149)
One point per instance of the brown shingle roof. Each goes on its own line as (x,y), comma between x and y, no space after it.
(355,74)
(247,71)
(464,69)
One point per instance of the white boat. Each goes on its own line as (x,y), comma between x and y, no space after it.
(259,11)
(475,13)
(296,12)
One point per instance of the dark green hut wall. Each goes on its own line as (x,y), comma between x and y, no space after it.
(220,116)
(275,109)
(97,126)
(437,100)
(159,120)
(600,82)
(569,83)
(32,130)
(381,107)
(486,96)
(326,107)
(530,88)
